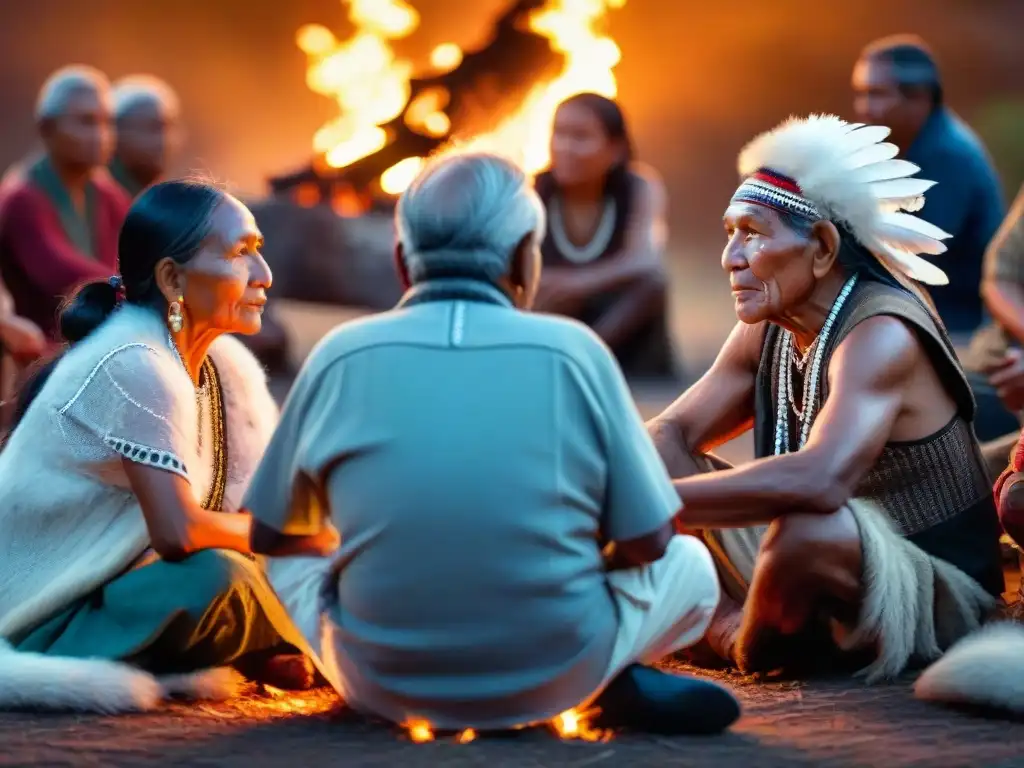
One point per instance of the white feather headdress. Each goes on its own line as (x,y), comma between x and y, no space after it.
(822,167)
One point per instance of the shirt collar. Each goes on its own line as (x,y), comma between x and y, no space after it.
(455,289)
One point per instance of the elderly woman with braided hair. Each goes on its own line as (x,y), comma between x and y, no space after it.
(124,559)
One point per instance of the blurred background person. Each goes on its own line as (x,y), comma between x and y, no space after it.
(149,133)
(21,342)
(60,214)
(896,82)
(148,116)
(606,234)
(996,351)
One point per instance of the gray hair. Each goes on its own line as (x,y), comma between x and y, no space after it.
(134,91)
(465,214)
(63,84)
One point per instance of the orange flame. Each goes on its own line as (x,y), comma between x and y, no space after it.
(372,87)
(573,724)
(419,731)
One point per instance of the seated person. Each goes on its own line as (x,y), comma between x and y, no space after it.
(21,342)
(473,457)
(867,508)
(996,353)
(60,215)
(606,234)
(148,116)
(987,668)
(121,537)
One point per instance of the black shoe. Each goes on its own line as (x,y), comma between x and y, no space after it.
(648,699)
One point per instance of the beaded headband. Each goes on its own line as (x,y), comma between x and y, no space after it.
(766,187)
(821,167)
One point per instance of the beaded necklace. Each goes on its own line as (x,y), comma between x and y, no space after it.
(598,243)
(784,384)
(209,386)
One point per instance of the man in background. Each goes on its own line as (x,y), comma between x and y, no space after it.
(60,214)
(896,83)
(148,115)
(147,112)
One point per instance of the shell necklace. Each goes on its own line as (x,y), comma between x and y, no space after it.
(598,243)
(784,383)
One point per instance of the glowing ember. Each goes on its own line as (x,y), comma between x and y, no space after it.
(576,725)
(419,731)
(446,57)
(466,736)
(372,87)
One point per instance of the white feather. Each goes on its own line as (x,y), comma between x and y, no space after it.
(908,240)
(899,189)
(851,175)
(905,222)
(883,171)
(876,153)
(860,138)
(914,266)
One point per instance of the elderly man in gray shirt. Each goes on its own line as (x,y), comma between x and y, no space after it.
(475,459)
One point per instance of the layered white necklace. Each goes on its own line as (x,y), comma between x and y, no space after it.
(598,243)
(788,359)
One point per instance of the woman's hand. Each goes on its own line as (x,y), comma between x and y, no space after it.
(273,543)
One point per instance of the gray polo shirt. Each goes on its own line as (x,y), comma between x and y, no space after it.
(471,456)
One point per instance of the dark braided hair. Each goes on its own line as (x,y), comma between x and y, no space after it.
(169,220)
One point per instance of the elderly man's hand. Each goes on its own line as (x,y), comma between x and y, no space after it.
(1007,378)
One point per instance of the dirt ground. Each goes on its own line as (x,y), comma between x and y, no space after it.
(824,723)
(784,724)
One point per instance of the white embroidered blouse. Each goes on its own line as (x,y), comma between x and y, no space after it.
(68,518)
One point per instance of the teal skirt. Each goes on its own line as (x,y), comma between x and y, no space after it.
(211,609)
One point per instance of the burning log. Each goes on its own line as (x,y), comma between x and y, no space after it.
(487,86)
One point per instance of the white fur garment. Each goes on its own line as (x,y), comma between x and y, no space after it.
(77,528)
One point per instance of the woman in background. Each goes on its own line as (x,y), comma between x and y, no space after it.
(21,342)
(124,560)
(606,234)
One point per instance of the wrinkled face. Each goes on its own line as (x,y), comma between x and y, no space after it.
(83,136)
(146,138)
(877,99)
(226,282)
(770,265)
(581,150)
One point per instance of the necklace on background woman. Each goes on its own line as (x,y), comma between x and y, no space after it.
(597,245)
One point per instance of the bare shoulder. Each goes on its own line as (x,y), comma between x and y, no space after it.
(743,347)
(883,349)
(647,183)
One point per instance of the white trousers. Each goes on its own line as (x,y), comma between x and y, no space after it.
(663,606)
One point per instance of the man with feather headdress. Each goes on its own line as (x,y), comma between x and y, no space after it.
(866,522)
